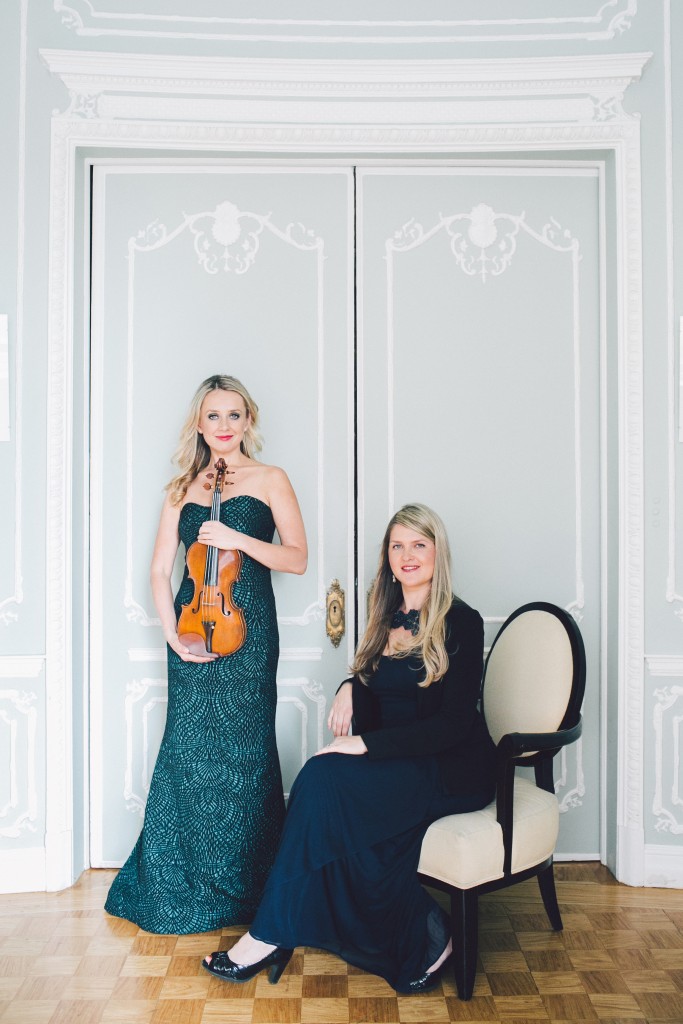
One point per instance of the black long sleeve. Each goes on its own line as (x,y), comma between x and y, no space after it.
(448,708)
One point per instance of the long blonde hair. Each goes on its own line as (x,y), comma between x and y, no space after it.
(386,597)
(193,453)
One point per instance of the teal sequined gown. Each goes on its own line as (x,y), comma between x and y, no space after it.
(215,807)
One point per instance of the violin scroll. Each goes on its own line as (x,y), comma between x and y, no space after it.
(222,471)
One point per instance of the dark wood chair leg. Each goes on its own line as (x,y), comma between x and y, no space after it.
(465,922)
(546,883)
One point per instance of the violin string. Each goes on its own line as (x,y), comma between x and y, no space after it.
(208,597)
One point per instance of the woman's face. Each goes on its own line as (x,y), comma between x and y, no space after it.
(411,556)
(223,420)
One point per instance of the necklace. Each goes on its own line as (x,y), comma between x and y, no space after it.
(408,620)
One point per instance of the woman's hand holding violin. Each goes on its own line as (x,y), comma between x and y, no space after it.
(184,653)
(218,535)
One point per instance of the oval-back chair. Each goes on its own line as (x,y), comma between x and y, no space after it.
(534,680)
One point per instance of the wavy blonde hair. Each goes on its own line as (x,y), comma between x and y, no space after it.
(193,453)
(386,597)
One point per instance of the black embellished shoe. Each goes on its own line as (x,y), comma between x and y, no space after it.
(429,980)
(222,966)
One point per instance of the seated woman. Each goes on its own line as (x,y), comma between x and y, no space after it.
(345,875)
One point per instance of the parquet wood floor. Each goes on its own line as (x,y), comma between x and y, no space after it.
(619,960)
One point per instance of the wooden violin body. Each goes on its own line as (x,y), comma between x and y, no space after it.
(211,623)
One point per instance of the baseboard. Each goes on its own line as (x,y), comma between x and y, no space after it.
(630,855)
(664,866)
(22,870)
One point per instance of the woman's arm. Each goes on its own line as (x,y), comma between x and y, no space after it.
(291,554)
(341,712)
(461,686)
(165,550)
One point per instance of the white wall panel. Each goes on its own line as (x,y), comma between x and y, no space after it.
(198,271)
(480,357)
(39,191)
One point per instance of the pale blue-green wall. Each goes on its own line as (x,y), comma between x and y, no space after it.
(24,208)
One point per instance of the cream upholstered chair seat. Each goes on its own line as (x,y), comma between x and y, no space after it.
(533,686)
(465,850)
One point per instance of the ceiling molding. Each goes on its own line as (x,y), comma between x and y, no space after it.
(589,20)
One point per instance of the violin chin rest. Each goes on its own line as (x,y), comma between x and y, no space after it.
(195,643)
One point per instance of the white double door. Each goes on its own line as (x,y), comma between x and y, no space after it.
(417,333)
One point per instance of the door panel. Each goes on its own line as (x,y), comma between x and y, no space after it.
(478,393)
(204,270)
(479,370)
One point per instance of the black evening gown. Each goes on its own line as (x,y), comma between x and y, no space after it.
(215,808)
(345,878)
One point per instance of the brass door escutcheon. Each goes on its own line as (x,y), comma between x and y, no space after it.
(335,623)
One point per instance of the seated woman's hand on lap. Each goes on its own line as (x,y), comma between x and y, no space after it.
(344,745)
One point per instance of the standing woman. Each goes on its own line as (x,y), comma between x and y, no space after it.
(215,807)
(345,877)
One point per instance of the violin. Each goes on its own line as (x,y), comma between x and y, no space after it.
(210,623)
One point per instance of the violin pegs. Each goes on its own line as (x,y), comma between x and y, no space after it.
(210,476)
(207,487)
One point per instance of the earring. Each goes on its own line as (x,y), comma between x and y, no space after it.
(393,578)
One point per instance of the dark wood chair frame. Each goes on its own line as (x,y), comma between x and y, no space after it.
(464,902)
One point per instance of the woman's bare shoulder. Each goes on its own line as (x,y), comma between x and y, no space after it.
(195,494)
(273,478)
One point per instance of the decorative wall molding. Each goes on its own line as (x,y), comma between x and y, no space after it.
(137,780)
(388,134)
(144,695)
(667,803)
(21,666)
(9,606)
(151,87)
(301,653)
(674,598)
(147,694)
(570,794)
(312,689)
(18,721)
(590,20)
(665,665)
(225,240)
(483,243)
(209,236)
(315,612)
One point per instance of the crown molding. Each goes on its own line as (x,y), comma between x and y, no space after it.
(162,89)
(91,72)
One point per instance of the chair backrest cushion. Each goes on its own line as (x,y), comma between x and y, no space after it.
(529,674)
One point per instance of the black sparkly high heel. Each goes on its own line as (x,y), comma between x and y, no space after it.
(223,967)
(429,980)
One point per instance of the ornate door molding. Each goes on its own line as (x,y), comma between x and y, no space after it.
(184,104)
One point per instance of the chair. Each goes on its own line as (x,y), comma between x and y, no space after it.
(534,680)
